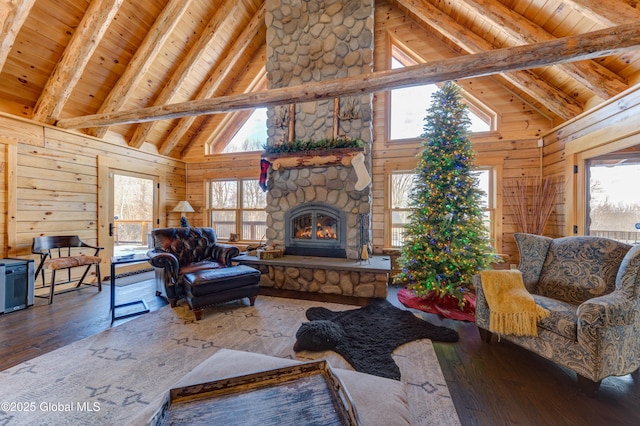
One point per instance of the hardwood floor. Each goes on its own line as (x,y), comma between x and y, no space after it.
(497,384)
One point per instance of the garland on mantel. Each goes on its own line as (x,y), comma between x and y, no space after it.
(317,145)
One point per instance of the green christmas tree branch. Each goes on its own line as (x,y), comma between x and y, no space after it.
(446,240)
(313,145)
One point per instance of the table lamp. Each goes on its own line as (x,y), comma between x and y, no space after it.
(183,207)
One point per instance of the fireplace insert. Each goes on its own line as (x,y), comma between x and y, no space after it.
(315,229)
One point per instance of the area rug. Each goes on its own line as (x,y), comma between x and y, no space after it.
(447,307)
(367,336)
(116,376)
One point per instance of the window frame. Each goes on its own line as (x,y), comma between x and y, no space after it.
(389,209)
(494,198)
(239,206)
(407,58)
(232,122)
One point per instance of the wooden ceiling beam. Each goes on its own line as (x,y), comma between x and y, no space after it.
(218,77)
(573,48)
(608,13)
(595,77)
(554,99)
(226,129)
(201,46)
(142,60)
(75,58)
(13,13)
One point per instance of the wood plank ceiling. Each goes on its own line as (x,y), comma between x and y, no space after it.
(62,59)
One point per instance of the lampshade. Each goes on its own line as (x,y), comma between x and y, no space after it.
(183,207)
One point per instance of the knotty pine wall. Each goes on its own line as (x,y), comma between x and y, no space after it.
(513,147)
(4,194)
(55,190)
(609,127)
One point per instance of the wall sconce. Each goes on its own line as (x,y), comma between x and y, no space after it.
(183,207)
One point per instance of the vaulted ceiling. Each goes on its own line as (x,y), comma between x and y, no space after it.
(64,59)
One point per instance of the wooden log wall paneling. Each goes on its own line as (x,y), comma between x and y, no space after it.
(219,165)
(514,144)
(56,184)
(609,127)
(4,197)
(238,165)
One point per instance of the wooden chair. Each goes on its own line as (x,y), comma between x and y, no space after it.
(64,252)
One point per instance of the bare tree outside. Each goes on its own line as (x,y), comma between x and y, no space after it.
(614,210)
(133,209)
(401,184)
(252,135)
(228,201)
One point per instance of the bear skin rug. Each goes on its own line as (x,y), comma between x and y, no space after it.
(366,337)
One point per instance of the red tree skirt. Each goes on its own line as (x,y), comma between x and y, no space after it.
(446,306)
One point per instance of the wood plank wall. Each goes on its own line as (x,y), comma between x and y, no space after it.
(513,147)
(609,127)
(514,144)
(57,183)
(4,195)
(201,167)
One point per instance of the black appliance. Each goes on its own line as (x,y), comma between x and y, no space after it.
(16,284)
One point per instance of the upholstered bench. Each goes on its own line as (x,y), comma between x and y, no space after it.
(377,401)
(212,286)
(65,253)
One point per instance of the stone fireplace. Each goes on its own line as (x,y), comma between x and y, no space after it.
(315,229)
(315,41)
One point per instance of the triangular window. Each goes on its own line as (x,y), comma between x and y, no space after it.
(252,135)
(408,106)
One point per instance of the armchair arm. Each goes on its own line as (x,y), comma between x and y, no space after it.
(224,253)
(96,248)
(610,310)
(167,261)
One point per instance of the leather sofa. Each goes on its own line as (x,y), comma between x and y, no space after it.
(190,264)
(591,287)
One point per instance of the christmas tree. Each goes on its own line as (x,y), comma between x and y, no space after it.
(446,241)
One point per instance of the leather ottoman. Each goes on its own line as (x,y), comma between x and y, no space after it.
(213,286)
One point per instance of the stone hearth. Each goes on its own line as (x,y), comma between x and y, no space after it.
(366,279)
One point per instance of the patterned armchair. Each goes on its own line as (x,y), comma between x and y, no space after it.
(590,285)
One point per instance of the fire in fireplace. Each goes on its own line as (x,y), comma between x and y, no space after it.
(315,229)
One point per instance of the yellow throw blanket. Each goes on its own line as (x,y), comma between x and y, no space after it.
(513,310)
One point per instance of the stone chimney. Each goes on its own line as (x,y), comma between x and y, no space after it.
(311,41)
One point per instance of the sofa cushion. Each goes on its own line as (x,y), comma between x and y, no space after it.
(533,252)
(72,261)
(579,268)
(378,401)
(562,319)
(211,281)
(199,266)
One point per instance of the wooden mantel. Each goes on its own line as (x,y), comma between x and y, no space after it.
(327,157)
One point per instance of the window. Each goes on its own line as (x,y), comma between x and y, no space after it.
(237,206)
(400,184)
(252,135)
(486,179)
(612,209)
(408,106)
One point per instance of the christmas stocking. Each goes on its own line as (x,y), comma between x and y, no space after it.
(264,167)
(364,179)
